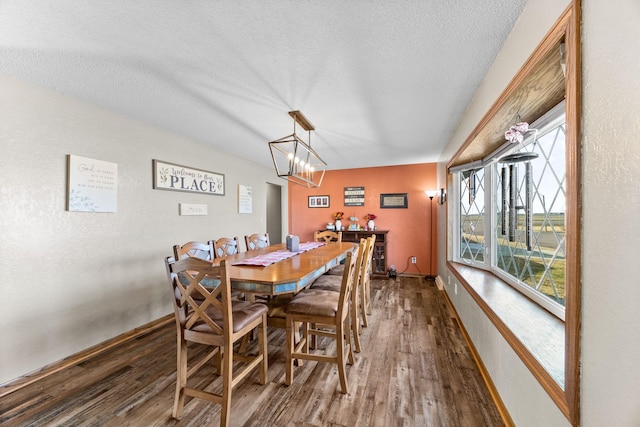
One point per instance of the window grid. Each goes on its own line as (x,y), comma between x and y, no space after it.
(472,214)
(541,264)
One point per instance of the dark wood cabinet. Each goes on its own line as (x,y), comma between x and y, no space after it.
(379,266)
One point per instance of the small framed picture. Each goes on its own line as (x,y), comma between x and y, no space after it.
(318,201)
(393,201)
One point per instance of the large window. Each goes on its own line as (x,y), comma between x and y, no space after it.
(514,204)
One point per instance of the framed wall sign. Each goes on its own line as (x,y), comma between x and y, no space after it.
(169,176)
(354,196)
(318,201)
(245,199)
(92,185)
(394,200)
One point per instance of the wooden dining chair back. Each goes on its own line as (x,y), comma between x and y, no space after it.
(194,249)
(327,236)
(333,282)
(225,246)
(206,314)
(256,241)
(322,307)
(366,281)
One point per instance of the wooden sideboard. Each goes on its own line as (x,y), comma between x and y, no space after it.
(379,267)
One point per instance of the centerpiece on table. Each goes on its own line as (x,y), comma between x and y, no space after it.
(370,224)
(337,216)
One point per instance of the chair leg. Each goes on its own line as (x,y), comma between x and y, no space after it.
(361,318)
(340,350)
(367,294)
(289,350)
(262,349)
(355,323)
(305,337)
(314,339)
(349,348)
(297,335)
(365,307)
(217,361)
(244,343)
(181,377)
(227,381)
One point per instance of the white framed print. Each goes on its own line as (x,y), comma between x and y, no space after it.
(92,185)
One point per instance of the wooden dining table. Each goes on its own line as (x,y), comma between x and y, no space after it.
(289,275)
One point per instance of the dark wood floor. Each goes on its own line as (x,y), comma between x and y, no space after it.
(415,370)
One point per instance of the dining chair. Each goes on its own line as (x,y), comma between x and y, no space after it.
(194,249)
(217,321)
(327,236)
(365,286)
(203,251)
(322,307)
(225,246)
(256,241)
(332,282)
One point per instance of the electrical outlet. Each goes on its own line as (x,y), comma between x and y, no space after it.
(455,288)
(449,280)
(413,260)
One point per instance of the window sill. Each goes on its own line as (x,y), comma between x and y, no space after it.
(536,335)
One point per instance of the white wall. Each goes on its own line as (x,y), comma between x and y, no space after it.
(611,203)
(71,280)
(610,379)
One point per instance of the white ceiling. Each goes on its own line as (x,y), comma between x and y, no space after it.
(383,82)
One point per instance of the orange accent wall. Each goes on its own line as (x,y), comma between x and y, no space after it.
(409,234)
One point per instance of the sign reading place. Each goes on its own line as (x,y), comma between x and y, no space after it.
(169,176)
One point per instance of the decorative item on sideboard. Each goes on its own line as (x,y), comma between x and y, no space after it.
(370,224)
(337,216)
(354,226)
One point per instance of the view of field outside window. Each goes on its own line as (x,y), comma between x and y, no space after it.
(530,245)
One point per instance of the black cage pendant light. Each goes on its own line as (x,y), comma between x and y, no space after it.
(294,159)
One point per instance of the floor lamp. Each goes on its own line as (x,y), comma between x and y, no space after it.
(431,194)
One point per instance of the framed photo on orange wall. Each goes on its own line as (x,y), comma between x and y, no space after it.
(318,201)
(394,201)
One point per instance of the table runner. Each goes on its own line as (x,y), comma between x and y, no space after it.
(264,260)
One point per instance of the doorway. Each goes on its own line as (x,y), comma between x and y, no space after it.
(274,213)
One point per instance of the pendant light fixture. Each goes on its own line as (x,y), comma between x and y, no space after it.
(294,159)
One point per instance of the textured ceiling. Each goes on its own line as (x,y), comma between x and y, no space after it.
(383,82)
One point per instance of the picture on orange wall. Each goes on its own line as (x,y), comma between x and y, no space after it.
(395,200)
(354,196)
(318,201)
